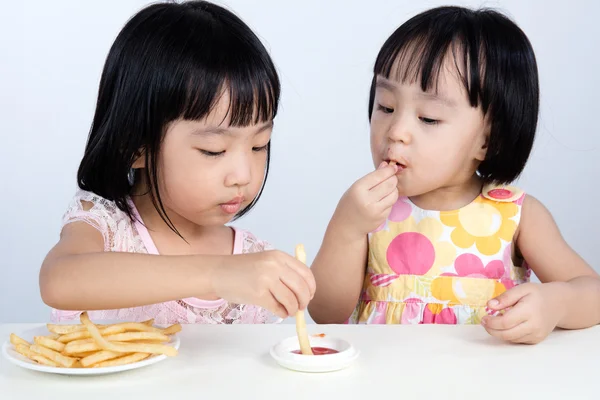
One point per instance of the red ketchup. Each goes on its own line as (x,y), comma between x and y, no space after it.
(319,351)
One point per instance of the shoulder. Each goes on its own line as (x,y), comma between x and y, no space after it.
(101,214)
(247,242)
(536,215)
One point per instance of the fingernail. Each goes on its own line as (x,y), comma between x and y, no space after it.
(382,165)
(493,303)
(484,321)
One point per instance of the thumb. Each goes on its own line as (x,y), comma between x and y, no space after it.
(509,298)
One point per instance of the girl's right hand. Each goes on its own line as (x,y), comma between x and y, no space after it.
(270,279)
(368,202)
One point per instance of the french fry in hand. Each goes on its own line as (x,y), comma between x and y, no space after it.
(300,320)
(89,345)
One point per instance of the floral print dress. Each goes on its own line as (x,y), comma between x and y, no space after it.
(442,266)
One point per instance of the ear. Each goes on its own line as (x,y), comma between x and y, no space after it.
(140,160)
(483,143)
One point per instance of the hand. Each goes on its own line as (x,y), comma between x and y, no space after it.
(368,202)
(270,279)
(535,312)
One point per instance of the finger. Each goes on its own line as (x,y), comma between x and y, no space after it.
(298,286)
(513,317)
(285,297)
(305,272)
(275,307)
(384,188)
(372,179)
(510,297)
(513,334)
(531,338)
(388,201)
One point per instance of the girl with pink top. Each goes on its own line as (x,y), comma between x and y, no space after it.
(179,146)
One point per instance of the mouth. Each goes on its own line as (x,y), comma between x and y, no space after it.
(232,206)
(235,200)
(399,162)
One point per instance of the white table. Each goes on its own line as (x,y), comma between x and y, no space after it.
(396,362)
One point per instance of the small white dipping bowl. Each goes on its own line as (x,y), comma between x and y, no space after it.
(282,353)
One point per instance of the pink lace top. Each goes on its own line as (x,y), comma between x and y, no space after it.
(124,235)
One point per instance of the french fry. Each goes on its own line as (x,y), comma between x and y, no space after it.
(73,348)
(49,343)
(115,329)
(123,360)
(99,357)
(135,336)
(24,350)
(58,358)
(44,361)
(125,347)
(15,340)
(80,355)
(300,320)
(171,330)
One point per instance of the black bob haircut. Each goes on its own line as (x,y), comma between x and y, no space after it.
(500,75)
(172,61)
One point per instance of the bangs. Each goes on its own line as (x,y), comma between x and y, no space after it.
(212,56)
(418,51)
(252,89)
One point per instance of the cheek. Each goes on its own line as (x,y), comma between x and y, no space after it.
(259,165)
(377,139)
(185,178)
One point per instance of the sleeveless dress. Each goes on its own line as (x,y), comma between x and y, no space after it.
(442,267)
(121,234)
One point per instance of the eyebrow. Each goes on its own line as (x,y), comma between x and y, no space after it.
(225,131)
(387,85)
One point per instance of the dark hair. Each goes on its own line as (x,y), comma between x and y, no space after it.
(500,73)
(172,61)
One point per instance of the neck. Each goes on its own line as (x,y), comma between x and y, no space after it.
(451,197)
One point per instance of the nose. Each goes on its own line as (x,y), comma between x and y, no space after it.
(240,171)
(400,131)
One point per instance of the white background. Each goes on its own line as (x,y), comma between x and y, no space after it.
(52,53)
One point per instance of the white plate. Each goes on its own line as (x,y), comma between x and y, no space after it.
(11,355)
(282,353)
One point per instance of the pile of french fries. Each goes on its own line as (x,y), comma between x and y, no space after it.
(88,345)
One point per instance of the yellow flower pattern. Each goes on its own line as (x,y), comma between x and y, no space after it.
(483,223)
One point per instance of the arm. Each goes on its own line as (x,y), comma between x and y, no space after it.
(339,267)
(78,275)
(577,285)
(569,296)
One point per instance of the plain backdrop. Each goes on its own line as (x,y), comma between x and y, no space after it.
(52,54)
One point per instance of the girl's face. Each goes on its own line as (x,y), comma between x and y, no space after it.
(208,170)
(437,137)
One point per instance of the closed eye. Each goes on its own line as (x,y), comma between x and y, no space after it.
(261,148)
(385,110)
(429,121)
(212,153)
